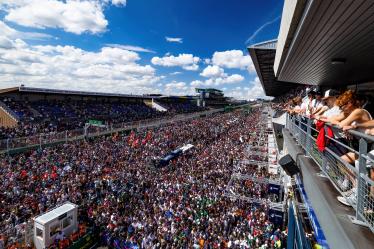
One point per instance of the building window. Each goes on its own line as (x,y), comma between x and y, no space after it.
(39,233)
(67,222)
(54,229)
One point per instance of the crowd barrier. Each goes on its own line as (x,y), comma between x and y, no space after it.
(297,238)
(352,181)
(22,143)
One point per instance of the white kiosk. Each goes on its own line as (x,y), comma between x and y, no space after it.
(46,226)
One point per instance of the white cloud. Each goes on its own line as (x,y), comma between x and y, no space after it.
(186,61)
(67,67)
(232,79)
(193,67)
(178,88)
(207,61)
(14,34)
(253,91)
(119,2)
(235,78)
(259,29)
(256,90)
(233,59)
(5,42)
(213,72)
(72,15)
(241,93)
(175,73)
(131,48)
(177,85)
(171,39)
(197,83)
(216,77)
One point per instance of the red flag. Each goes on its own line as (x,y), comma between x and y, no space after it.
(131,137)
(148,137)
(54,175)
(135,143)
(45,176)
(144,141)
(23,174)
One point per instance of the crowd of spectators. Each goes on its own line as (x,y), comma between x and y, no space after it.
(281,102)
(342,111)
(51,116)
(182,107)
(134,205)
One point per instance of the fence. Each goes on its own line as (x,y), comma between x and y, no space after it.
(352,181)
(22,143)
(296,235)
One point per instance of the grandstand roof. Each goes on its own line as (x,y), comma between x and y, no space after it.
(326,42)
(8,90)
(24,89)
(263,55)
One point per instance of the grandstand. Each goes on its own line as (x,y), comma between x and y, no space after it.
(212,97)
(26,111)
(324,49)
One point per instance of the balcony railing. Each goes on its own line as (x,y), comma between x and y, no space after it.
(352,181)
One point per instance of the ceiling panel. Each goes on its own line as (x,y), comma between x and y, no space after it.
(263,59)
(332,29)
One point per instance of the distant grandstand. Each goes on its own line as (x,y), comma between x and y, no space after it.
(30,110)
(211,97)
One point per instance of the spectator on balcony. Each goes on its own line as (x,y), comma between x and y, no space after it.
(353,111)
(317,103)
(352,114)
(307,105)
(368,126)
(294,105)
(329,108)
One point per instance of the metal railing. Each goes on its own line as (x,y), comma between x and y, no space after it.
(297,238)
(352,181)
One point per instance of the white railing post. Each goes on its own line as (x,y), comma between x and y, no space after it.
(361,182)
(308,138)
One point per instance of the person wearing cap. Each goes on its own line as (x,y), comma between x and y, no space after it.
(316,103)
(330,108)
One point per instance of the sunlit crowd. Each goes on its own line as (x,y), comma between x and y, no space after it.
(130,201)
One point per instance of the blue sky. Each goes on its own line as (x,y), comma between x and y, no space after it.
(135,46)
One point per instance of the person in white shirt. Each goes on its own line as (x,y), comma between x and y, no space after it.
(307,105)
(329,108)
(317,103)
